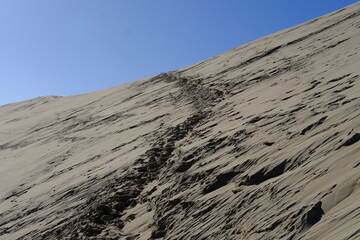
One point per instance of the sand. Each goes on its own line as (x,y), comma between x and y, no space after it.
(260,142)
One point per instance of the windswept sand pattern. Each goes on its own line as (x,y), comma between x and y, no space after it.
(261,142)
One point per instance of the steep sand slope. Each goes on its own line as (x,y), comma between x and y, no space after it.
(261,142)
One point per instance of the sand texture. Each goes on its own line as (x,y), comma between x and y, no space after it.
(260,142)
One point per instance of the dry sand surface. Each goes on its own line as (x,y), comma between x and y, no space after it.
(261,142)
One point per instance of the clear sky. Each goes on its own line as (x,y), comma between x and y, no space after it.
(67,47)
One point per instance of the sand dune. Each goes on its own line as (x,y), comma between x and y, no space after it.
(260,142)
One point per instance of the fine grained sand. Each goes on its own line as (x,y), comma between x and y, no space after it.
(261,142)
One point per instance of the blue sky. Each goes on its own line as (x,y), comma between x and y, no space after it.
(67,47)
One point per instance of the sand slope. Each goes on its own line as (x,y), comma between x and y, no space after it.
(261,142)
